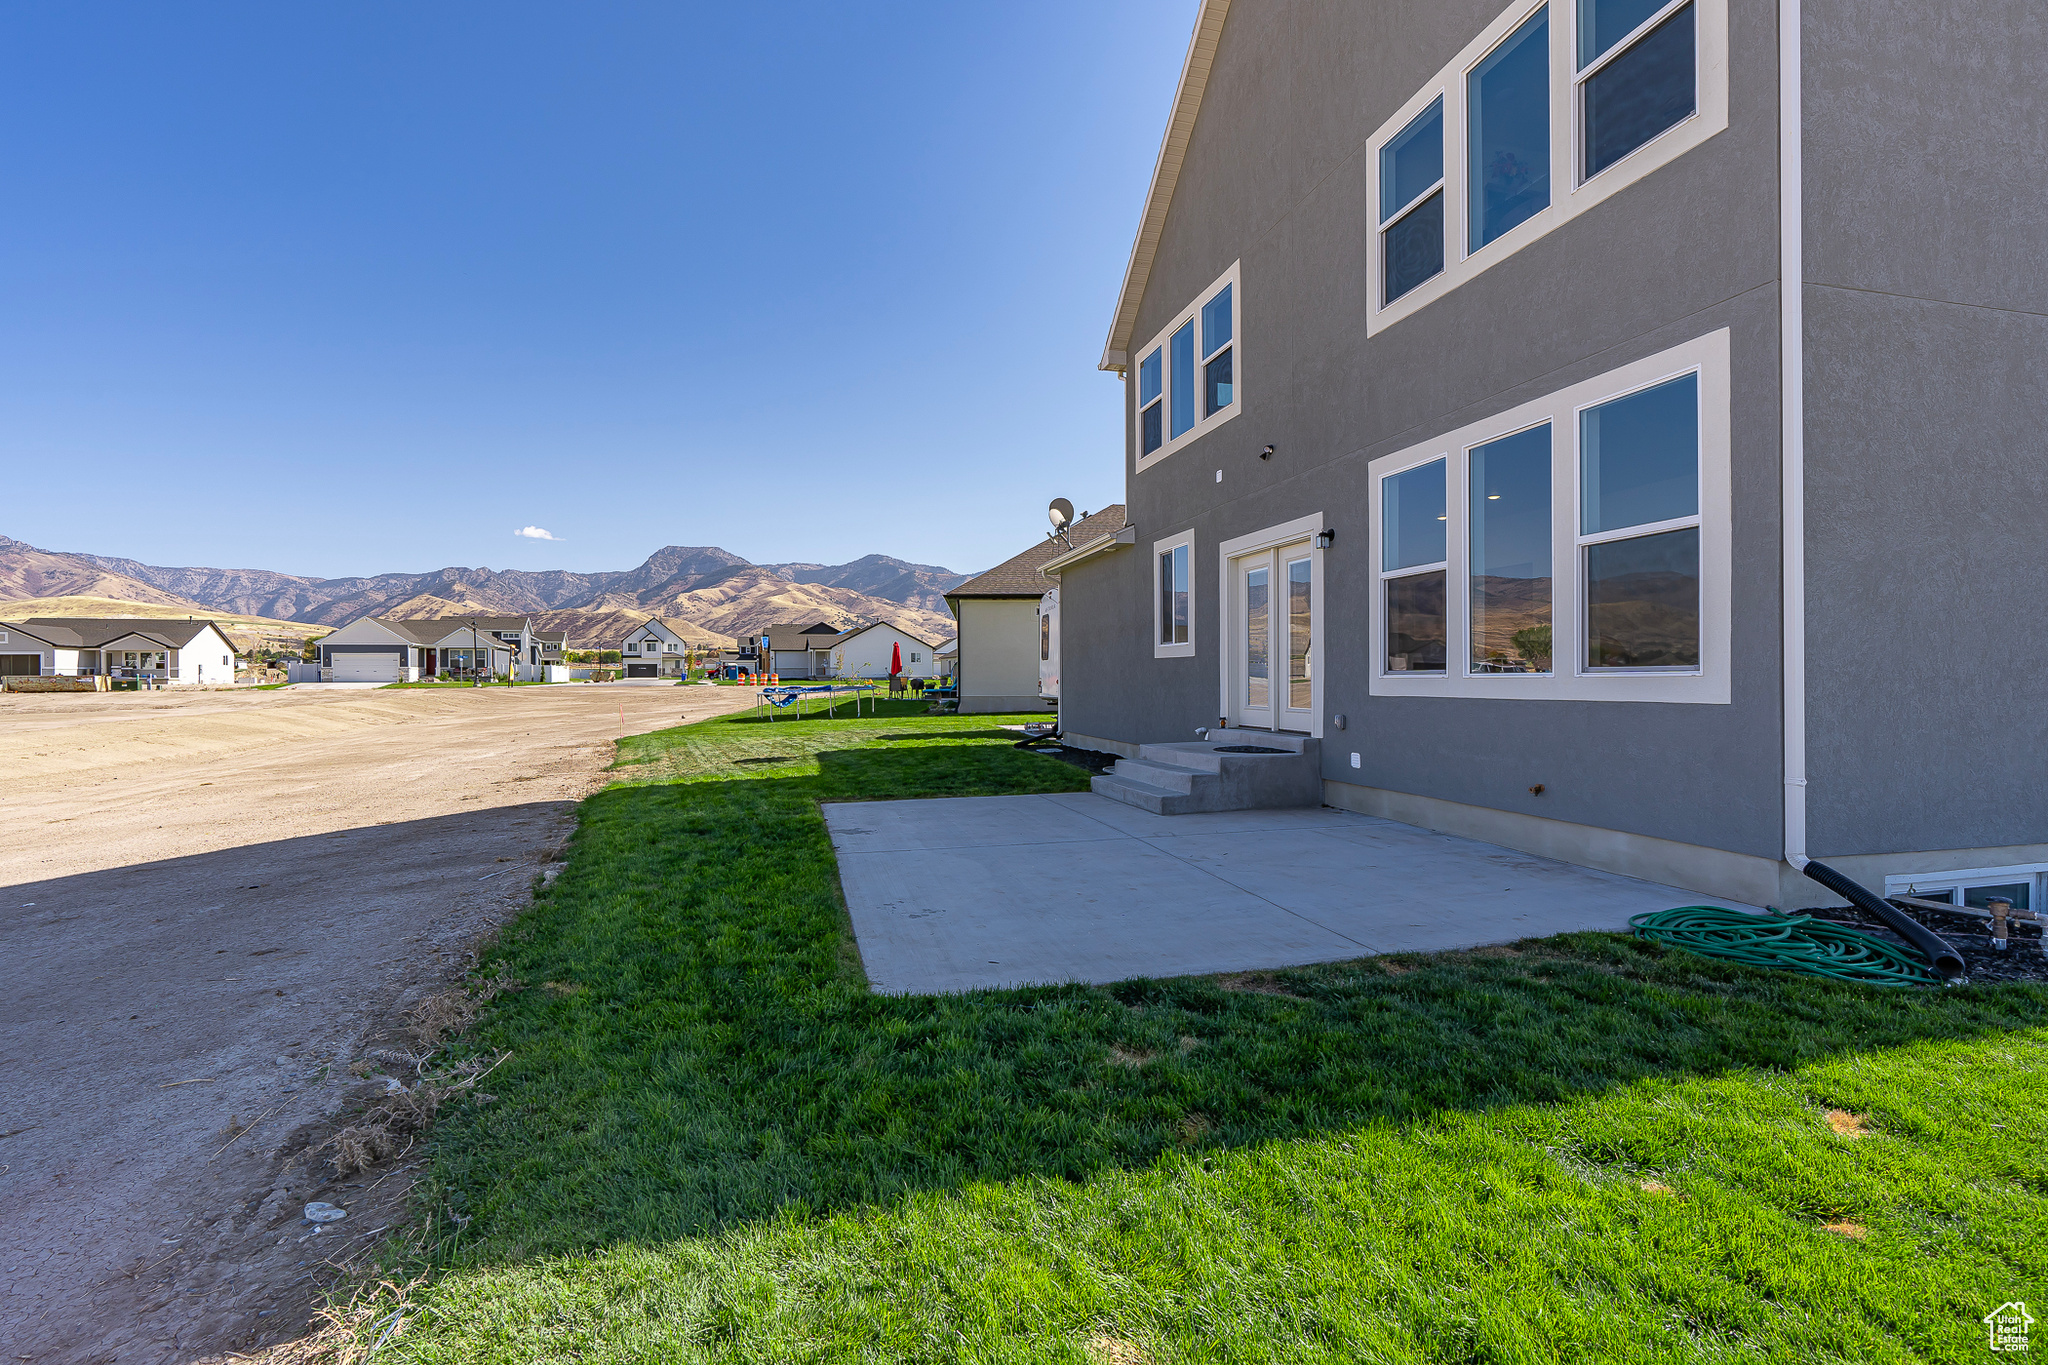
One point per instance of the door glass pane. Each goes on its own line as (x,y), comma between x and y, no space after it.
(1416,627)
(1182,344)
(1414,248)
(1642,92)
(1509,101)
(1412,525)
(1980,896)
(1216,322)
(1298,680)
(1639,458)
(1413,160)
(1603,23)
(1511,553)
(1216,385)
(1257,639)
(1643,602)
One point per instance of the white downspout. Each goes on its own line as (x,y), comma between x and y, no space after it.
(1792,416)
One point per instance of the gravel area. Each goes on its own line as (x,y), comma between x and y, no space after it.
(210,903)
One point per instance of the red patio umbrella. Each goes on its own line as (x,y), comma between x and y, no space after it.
(895,659)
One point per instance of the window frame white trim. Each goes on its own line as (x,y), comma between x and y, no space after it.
(1307,528)
(1203,425)
(1184,650)
(1709,684)
(1571,193)
(2035,874)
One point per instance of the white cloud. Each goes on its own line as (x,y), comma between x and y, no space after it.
(535,533)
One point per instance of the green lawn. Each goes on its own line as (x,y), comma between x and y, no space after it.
(712,1144)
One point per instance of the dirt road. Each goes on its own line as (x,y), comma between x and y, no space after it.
(206,902)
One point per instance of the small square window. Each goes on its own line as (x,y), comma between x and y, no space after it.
(1413,518)
(1641,91)
(1216,322)
(1216,385)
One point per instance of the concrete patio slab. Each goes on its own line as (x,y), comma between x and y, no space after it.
(969,893)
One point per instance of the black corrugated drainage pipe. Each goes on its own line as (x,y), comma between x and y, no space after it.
(1945,960)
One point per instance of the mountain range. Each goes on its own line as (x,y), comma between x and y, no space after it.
(716,593)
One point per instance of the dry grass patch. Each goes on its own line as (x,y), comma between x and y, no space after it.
(1134,1058)
(1194,1127)
(1842,1227)
(1256,983)
(1104,1349)
(564,987)
(1848,1125)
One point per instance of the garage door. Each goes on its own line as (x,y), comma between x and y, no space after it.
(366,668)
(20,665)
(640,670)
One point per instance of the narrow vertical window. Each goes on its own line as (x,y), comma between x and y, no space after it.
(1639,528)
(1510,542)
(1044,638)
(1413,566)
(1258,670)
(1181,395)
(1217,327)
(1508,118)
(1299,617)
(1412,204)
(1151,404)
(1638,65)
(1173,596)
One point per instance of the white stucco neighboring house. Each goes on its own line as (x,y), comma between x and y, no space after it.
(1002,643)
(169,651)
(867,651)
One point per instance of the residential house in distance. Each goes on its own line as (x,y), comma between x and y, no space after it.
(387,649)
(1537,415)
(168,651)
(867,651)
(657,648)
(1001,642)
(796,651)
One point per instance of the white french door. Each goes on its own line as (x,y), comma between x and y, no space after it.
(1272,653)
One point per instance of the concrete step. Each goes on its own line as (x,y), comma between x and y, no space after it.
(1177,779)
(1143,795)
(1172,776)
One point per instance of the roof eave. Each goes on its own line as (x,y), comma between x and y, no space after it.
(1100,545)
(1180,127)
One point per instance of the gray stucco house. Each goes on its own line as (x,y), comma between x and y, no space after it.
(1473,434)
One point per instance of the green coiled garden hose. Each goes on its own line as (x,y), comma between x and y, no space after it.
(1793,943)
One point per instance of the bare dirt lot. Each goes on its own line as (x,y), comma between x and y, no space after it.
(208,903)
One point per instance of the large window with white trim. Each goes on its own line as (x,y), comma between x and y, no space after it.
(1188,376)
(1574,547)
(1173,599)
(1554,106)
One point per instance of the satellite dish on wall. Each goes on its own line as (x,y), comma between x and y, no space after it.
(1060,512)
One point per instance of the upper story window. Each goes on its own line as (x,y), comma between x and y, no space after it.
(1188,374)
(1554,107)
(1590,534)
(1638,65)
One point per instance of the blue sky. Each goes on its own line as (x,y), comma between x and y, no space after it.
(359,288)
